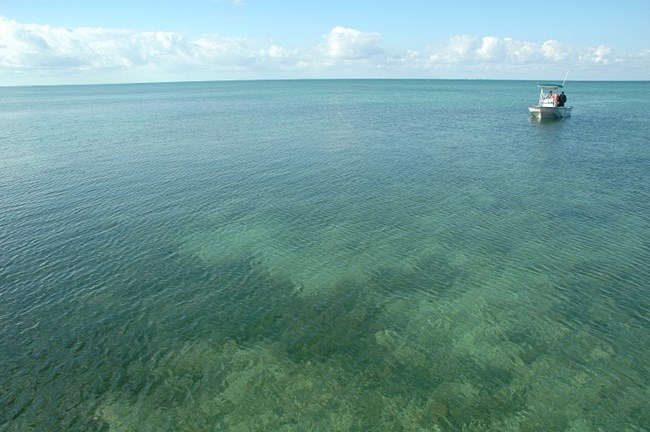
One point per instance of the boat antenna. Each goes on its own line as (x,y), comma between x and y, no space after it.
(565,76)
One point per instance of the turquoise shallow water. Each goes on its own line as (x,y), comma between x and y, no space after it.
(324,255)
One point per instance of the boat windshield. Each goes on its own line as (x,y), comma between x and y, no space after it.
(547,93)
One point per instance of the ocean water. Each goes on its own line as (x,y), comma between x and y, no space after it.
(348,255)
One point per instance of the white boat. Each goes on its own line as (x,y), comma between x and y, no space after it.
(549,106)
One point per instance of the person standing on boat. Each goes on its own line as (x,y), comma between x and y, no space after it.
(562,100)
(556,99)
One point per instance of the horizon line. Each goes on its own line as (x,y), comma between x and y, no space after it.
(304,79)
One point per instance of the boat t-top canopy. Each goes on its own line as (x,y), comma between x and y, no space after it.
(549,86)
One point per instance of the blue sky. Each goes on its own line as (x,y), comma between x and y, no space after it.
(102,41)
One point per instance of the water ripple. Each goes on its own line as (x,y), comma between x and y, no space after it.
(319,255)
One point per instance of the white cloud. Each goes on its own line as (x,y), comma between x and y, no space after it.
(468,49)
(36,49)
(350,44)
(601,55)
(555,50)
(459,48)
(473,50)
(37,54)
(521,52)
(491,49)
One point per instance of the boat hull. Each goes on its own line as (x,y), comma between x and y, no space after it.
(549,113)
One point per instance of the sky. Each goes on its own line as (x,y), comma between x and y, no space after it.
(46,42)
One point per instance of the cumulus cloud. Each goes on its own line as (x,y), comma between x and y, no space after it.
(474,50)
(491,49)
(351,44)
(555,50)
(601,54)
(459,48)
(31,53)
(520,51)
(32,48)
